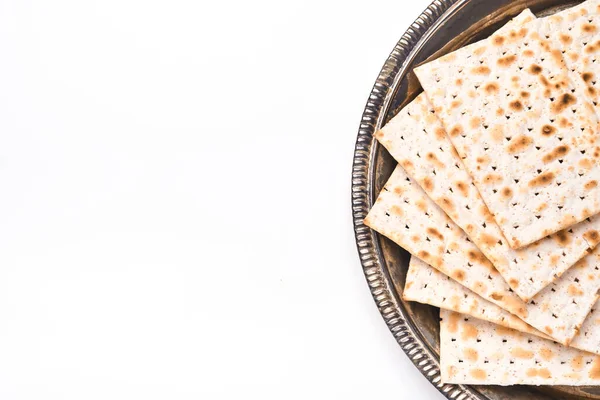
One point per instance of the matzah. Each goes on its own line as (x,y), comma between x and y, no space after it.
(417,140)
(478,352)
(426,285)
(576,31)
(405,214)
(522,127)
(588,338)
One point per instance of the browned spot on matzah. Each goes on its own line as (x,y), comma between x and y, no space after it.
(588,28)
(497,296)
(548,130)
(520,352)
(519,143)
(481,70)
(498,40)
(491,87)
(504,331)
(476,256)
(469,332)
(453,322)
(574,290)
(435,233)
(592,237)
(434,160)
(590,185)
(513,282)
(564,123)
(451,371)
(455,104)
(515,105)
(541,180)
(488,239)
(440,133)
(447,203)
(557,152)
(471,354)
(497,132)
(458,274)
(546,354)
(595,371)
(456,130)
(480,287)
(396,210)
(535,69)
(463,188)
(507,193)
(428,184)
(544,373)
(565,39)
(479,51)
(483,160)
(506,61)
(478,374)
(577,362)
(564,101)
(492,178)
(592,47)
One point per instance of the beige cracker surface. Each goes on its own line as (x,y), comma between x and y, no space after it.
(406,215)
(417,140)
(474,351)
(524,127)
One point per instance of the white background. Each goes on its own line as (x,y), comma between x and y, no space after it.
(175,200)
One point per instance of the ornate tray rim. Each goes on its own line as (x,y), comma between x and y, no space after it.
(376,274)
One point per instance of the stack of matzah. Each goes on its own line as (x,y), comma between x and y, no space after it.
(497,194)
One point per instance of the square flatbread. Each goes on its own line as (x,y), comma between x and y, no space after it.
(426,285)
(478,352)
(406,215)
(576,31)
(417,140)
(526,133)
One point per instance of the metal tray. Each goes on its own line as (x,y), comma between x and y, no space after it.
(444,26)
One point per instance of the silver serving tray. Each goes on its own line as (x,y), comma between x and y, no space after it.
(444,26)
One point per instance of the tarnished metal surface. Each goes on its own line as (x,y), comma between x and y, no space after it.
(444,26)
